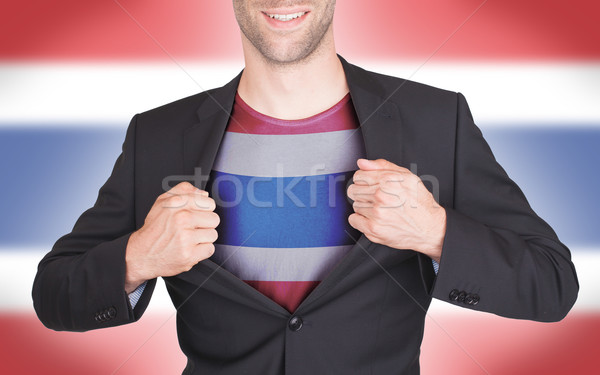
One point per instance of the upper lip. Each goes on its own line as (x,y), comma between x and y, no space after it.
(284,11)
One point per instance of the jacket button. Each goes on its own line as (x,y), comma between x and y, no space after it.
(461,296)
(295,324)
(112,312)
(475,298)
(469,299)
(453,295)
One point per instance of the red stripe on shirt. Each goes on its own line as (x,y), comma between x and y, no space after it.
(288,294)
(339,117)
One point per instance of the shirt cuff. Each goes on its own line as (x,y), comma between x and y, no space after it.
(134,296)
(436,267)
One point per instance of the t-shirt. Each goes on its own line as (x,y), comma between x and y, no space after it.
(280,188)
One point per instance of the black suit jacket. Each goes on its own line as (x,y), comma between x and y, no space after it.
(367,316)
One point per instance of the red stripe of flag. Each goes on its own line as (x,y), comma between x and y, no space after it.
(149,347)
(192,29)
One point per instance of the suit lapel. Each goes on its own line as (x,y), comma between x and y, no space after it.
(381,128)
(380,118)
(201,144)
(201,141)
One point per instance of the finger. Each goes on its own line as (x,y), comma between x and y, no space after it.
(197,201)
(183,188)
(364,209)
(200,201)
(362,177)
(204,250)
(194,219)
(386,195)
(362,193)
(187,188)
(379,164)
(205,219)
(358,222)
(374,177)
(202,192)
(204,235)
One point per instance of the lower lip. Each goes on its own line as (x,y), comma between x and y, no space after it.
(277,24)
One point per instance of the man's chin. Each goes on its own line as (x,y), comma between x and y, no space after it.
(288,54)
(288,60)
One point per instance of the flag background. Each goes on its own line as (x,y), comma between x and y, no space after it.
(73,73)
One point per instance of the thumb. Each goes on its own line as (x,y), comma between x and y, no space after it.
(379,164)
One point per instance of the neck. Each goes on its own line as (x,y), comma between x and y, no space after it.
(293,91)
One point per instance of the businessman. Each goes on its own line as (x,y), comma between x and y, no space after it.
(304,215)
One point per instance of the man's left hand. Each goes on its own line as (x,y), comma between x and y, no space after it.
(392,207)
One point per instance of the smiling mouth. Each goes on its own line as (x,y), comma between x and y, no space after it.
(286,17)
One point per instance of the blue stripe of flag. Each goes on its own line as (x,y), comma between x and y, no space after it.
(50,175)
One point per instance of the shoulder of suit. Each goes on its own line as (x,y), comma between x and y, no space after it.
(402,90)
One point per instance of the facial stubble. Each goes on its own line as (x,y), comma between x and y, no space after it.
(301,51)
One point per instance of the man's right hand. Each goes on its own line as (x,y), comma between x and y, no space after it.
(178,232)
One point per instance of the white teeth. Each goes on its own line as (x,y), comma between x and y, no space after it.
(286,17)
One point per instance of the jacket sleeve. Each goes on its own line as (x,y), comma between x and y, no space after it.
(79,284)
(498,255)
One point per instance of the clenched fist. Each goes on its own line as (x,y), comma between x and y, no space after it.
(178,232)
(392,207)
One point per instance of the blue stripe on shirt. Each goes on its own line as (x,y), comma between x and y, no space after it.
(285,212)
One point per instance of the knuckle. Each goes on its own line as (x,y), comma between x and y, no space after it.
(175,200)
(190,262)
(194,256)
(181,217)
(358,176)
(184,254)
(358,205)
(380,196)
(370,226)
(371,237)
(373,228)
(203,236)
(411,177)
(182,189)
(391,177)
(377,213)
(401,169)
(184,237)
(184,186)
(411,180)
(389,198)
(177,189)
(208,249)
